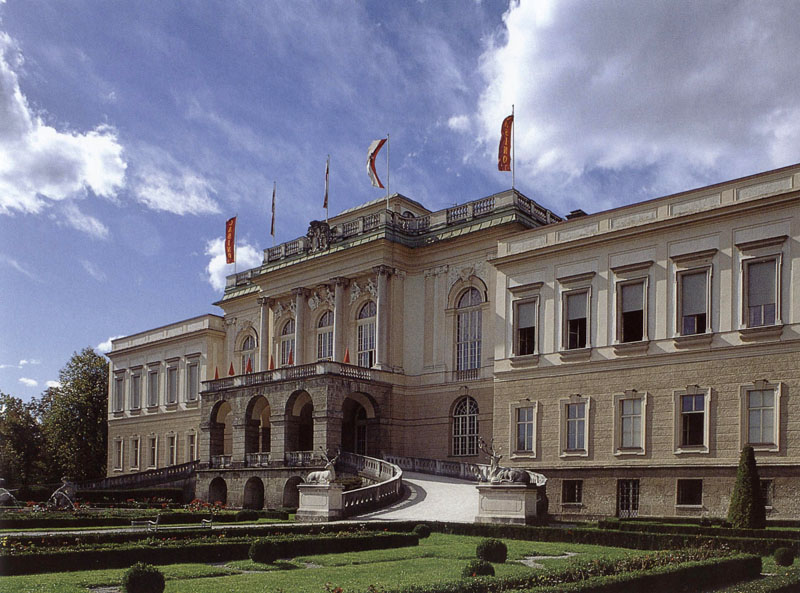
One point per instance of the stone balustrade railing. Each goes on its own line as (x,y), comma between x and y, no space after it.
(221,462)
(258,459)
(441,467)
(304,371)
(387,489)
(152,477)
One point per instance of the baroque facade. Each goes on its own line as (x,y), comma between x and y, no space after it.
(628,355)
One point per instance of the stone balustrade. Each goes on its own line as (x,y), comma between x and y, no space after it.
(303,371)
(387,489)
(152,477)
(440,467)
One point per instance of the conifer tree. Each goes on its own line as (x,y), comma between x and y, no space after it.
(746,510)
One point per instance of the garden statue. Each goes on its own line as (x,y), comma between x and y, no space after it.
(6,498)
(507,475)
(327,475)
(64,496)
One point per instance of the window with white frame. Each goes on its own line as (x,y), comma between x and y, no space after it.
(630,422)
(576,319)
(325,336)
(172,383)
(525,315)
(118,454)
(760,415)
(761,292)
(192,380)
(692,419)
(366,334)
(136,390)
(191,446)
(172,449)
(152,388)
(574,429)
(287,343)
(693,291)
(468,330)
(119,392)
(247,354)
(526,428)
(152,451)
(465,427)
(631,317)
(135,453)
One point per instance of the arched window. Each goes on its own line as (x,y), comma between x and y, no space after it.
(325,336)
(468,330)
(366,335)
(465,427)
(287,343)
(247,353)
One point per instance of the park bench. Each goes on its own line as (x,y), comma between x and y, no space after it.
(207,522)
(151,525)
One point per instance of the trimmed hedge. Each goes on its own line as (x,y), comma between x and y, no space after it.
(785,583)
(784,557)
(167,518)
(117,496)
(143,578)
(492,550)
(173,552)
(657,527)
(477,568)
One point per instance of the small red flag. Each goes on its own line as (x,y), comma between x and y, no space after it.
(504,154)
(249,368)
(231,371)
(230,240)
(216,373)
(271,363)
(290,362)
(346,356)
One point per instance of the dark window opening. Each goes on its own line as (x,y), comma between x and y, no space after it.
(690,492)
(577,333)
(632,326)
(572,491)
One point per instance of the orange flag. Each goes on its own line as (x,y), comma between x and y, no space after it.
(346,356)
(504,154)
(230,371)
(216,373)
(230,240)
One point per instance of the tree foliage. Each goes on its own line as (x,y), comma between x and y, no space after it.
(746,510)
(21,441)
(74,417)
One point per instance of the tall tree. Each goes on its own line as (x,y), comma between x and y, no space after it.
(747,502)
(21,442)
(74,417)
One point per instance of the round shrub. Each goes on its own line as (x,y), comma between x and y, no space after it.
(784,556)
(422,530)
(264,551)
(492,550)
(478,568)
(143,578)
(247,515)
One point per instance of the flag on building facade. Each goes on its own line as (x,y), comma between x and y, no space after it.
(290,361)
(504,154)
(231,372)
(374,148)
(216,373)
(271,363)
(249,368)
(230,240)
(327,177)
(272,225)
(346,356)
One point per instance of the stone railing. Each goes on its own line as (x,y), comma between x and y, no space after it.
(467,375)
(440,467)
(301,458)
(151,477)
(220,461)
(257,460)
(387,489)
(304,371)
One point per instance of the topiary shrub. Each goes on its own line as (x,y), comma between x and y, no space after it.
(264,551)
(422,530)
(143,578)
(478,568)
(492,550)
(247,515)
(784,556)
(746,510)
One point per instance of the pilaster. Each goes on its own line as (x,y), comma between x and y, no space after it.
(264,338)
(382,318)
(301,298)
(339,317)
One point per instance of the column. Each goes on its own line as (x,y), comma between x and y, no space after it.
(382,321)
(263,334)
(239,437)
(339,318)
(301,296)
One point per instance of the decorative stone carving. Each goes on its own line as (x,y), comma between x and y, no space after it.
(432,272)
(278,311)
(319,236)
(372,288)
(314,301)
(355,292)
(507,475)
(463,273)
(325,476)
(329,297)
(64,496)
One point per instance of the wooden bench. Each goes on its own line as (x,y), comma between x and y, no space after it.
(207,522)
(151,525)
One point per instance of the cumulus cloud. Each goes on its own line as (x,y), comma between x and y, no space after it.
(53,384)
(40,164)
(105,347)
(675,92)
(28,382)
(247,257)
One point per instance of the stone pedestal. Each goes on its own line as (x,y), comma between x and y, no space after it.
(507,503)
(320,502)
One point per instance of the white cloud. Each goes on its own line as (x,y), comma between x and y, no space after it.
(93,270)
(11,262)
(247,257)
(24,362)
(39,164)
(53,384)
(105,347)
(678,92)
(459,123)
(28,382)
(75,218)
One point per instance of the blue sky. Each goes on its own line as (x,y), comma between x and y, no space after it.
(130,131)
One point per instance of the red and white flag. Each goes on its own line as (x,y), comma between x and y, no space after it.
(374,148)
(327,175)
(230,240)
(272,225)
(504,154)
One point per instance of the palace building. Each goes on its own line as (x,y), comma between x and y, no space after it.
(627,355)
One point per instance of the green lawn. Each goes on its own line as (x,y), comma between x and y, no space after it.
(438,558)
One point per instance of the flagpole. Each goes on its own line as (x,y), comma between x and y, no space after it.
(327,185)
(387,171)
(272,223)
(513,133)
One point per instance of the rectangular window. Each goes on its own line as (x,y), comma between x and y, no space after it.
(526,328)
(152,389)
(631,308)
(576,426)
(117,454)
(172,448)
(152,459)
(192,381)
(135,453)
(761,293)
(324,345)
(572,491)
(694,301)
(366,344)
(136,391)
(576,316)
(119,385)
(690,492)
(287,350)
(525,429)
(172,385)
(468,340)
(761,416)
(692,420)
(631,423)
(191,452)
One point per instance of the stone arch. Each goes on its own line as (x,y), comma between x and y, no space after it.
(464,426)
(460,287)
(218,491)
(246,349)
(360,430)
(253,494)
(221,425)
(257,427)
(291,495)
(299,422)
